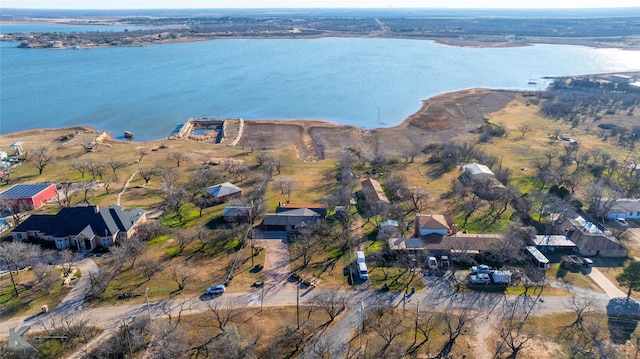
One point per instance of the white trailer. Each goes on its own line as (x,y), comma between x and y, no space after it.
(501,276)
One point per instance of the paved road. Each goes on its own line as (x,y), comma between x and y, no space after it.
(438,295)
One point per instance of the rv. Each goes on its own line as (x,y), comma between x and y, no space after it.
(362,271)
(359,257)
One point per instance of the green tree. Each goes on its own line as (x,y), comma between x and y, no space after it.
(630,277)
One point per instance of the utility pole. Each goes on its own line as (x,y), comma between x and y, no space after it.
(298,303)
(415,332)
(360,325)
(126,328)
(146,294)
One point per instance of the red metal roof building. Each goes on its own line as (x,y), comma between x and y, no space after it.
(26,197)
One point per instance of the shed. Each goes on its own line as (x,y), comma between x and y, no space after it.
(224,191)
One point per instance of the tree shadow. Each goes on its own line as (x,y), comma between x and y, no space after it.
(623,315)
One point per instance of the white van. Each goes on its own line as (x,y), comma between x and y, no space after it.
(359,257)
(362,271)
(432,263)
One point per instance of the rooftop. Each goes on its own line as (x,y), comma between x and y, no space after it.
(549,240)
(223,189)
(25,190)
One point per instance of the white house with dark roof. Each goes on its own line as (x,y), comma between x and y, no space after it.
(223,192)
(81,227)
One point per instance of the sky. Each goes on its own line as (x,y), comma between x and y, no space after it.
(202,4)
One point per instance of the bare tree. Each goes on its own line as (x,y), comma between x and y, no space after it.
(168,341)
(45,277)
(147,174)
(115,165)
(419,197)
(224,314)
(177,157)
(184,237)
(149,267)
(182,275)
(40,159)
(141,153)
(284,185)
(99,281)
(80,166)
(150,229)
(331,303)
(14,208)
(87,189)
(524,128)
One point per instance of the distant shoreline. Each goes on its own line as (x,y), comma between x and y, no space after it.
(467,40)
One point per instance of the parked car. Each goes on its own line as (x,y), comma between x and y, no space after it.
(622,222)
(444,261)
(216,289)
(480,278)
(587,262)
(482,268)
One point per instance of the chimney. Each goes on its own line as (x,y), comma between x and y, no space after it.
(97,209)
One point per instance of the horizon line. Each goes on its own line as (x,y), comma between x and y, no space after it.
(339,8)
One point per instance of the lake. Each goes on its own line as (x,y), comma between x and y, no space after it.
(150,90)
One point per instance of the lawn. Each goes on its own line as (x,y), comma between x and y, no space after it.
(576,278)
(28,302)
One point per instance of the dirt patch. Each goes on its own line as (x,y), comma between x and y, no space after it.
(447,116)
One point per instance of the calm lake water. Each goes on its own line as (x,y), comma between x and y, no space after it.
(27,28)
(150,90)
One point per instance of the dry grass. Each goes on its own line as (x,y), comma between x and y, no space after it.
(264,327)
(577,279)
(28,302)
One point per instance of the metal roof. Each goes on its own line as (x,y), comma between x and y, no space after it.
(223,189)
(553,241)
(537,254)
(25,190)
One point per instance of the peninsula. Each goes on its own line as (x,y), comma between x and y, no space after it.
(457,29)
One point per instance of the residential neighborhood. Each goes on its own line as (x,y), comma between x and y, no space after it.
(463,238)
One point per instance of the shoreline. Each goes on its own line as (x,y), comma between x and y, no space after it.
(631,42)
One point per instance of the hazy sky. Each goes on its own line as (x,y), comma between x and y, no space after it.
(194,4)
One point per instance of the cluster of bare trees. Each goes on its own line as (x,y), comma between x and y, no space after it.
(18,256)
(434,332)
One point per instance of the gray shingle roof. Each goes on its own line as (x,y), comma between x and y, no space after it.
(89,220)
(223,189)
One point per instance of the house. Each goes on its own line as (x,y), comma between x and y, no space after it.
(590,238)
(619,78)
(236,213)
(482,179)
(81,227)
(557,243)
(17,149)
(373,192)
(431,224)
(625,208)
(26,197)
(321,209)
(456,246)
(290,221)
(224,192)
(388,228)
(476,171)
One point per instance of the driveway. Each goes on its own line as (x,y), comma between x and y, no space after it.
(277,264)
(603,282)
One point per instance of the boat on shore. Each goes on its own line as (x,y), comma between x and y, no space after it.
(128,135)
